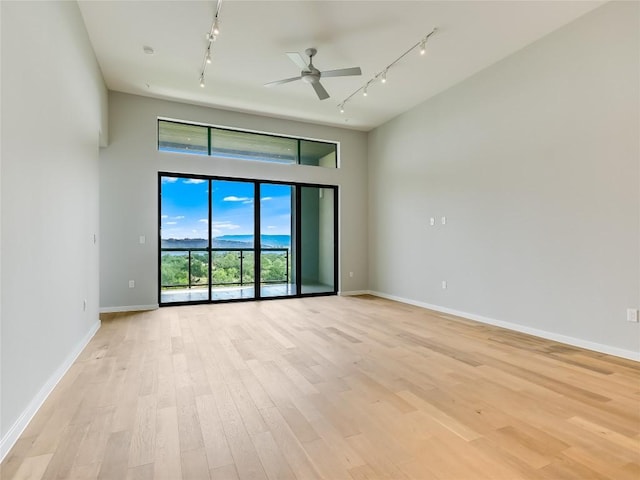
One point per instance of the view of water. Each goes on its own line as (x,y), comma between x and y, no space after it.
(229,241)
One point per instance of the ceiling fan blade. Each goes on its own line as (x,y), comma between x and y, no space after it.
(280,82)
(320,91)
(342,72)
(298,59)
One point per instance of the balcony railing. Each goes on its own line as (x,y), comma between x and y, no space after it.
(198,264)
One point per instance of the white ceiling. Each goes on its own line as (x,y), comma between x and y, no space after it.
(254,36)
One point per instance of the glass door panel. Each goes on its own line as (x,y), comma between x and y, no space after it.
(208,246)
(184,244)
(317,230)
(232,240)
(277,277)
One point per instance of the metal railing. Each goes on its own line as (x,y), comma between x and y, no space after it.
(241,256)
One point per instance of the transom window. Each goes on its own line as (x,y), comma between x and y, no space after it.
(218,142)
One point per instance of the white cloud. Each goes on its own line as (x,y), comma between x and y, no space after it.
(169,179)
(264,199)
(233,198)
(179,217)
(248,202)
(194,181)
(170,223)
(203,220)
(164,216)
(225,225)
(271,227)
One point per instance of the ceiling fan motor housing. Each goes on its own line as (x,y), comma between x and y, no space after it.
(310,76)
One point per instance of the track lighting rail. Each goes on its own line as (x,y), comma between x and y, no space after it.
(211,37)
(382,74)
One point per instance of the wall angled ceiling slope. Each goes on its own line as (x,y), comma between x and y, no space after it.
(254,36)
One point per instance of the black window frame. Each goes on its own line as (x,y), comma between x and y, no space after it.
(211,128)
(257,246)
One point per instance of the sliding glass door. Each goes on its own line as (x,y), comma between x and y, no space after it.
(184,245)
(232,240)
(276,249)
(224,239)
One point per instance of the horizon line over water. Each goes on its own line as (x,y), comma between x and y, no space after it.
(265,239)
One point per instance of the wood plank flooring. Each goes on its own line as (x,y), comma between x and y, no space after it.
(331,388)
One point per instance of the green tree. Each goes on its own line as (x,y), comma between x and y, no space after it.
(174,270)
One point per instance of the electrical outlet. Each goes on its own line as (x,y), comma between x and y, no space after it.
(432,221)
(444,220)
(132,283)
(142,239)
(632,315)
(350,274)
(444,284)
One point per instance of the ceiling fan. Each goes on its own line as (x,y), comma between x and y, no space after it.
(312,75)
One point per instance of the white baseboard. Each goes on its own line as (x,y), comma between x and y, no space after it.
(557,337)
(129,308)
(12,435)
(352,293)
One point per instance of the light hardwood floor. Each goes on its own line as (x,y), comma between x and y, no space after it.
(331,388)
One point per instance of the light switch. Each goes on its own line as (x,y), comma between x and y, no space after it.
(143,240)
(432,221)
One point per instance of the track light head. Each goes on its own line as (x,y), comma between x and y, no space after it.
(384,77)
(202,81)
(209,58)
(216,28)
(423,47)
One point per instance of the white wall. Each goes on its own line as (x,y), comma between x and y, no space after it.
(53,106)
(535,164)
(129,191)
(325,226)
(326,238)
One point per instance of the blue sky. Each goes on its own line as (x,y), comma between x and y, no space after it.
(184,208)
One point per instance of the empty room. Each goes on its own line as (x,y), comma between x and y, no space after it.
(274,240)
